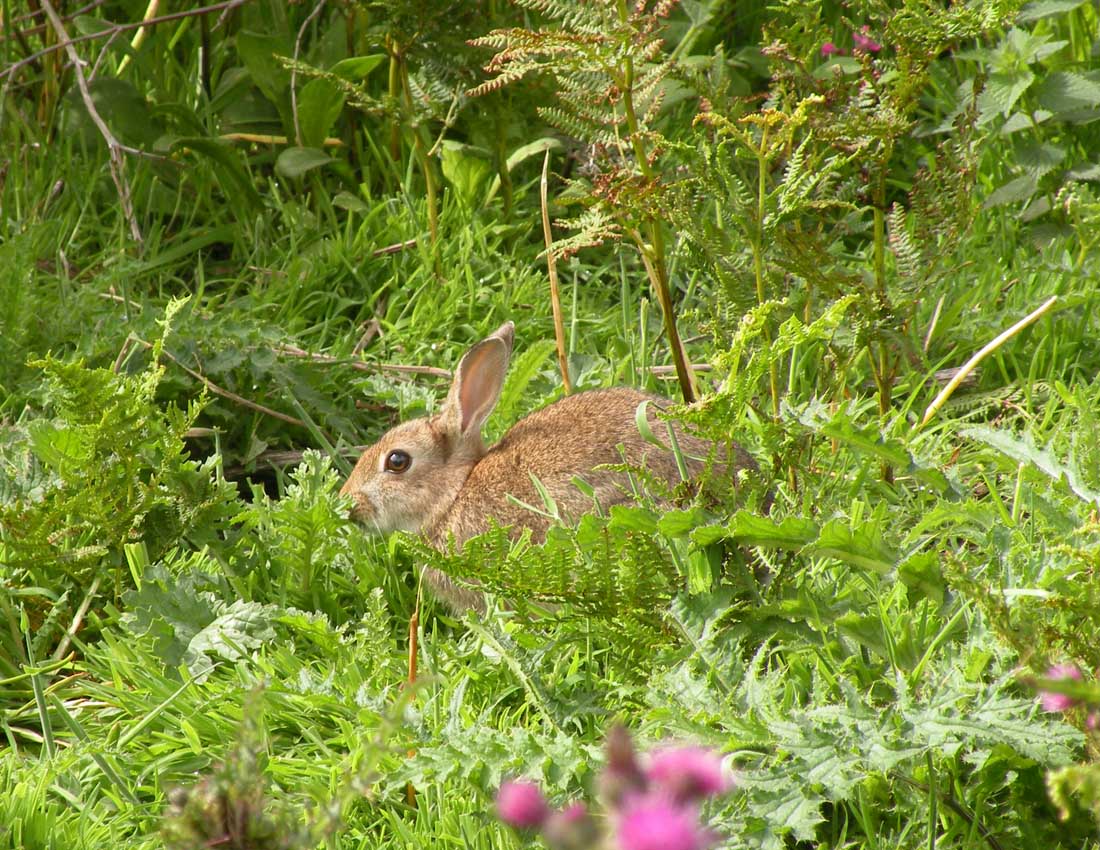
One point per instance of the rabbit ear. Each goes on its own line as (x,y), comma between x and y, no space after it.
(476,386)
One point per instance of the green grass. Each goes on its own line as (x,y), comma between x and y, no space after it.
(174,642)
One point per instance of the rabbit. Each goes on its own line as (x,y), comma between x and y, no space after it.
(434,476)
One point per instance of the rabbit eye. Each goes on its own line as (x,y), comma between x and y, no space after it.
(398,461)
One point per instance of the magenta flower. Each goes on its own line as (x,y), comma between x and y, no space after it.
(1052,701)
(521,804)
(830,49)
(688,773)
(656,822)
(864,42)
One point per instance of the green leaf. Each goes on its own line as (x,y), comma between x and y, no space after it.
(466,168)
(1066,93)
(1022,449)
(1039,158)
(681,523)
(921,573)
(294,162)
(259,52)
(122,107)
(1039,9)
(792,533)
(1012,192)
(357,67)
(349,202)
(319,105)
(1002,90)
(632,518)
(861,546)
(56,446)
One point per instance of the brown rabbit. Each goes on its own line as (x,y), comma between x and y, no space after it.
(435,476)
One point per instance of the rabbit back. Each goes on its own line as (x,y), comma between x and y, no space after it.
(558,443)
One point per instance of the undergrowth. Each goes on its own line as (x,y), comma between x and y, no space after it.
(804,217)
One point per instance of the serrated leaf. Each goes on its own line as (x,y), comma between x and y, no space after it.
(1002,90)
(791,533)
(1022,449)
(1012,192)
(1085,171)
(241,627)
(862,546)
(1039,9)
(1065,92)
(677,523)
(1039,158)
(922,574)
(632,518)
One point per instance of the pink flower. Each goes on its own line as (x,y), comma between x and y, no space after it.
(864,42)
(1052,701)
(521,804)
(830,49)
(688,773)
(656,822)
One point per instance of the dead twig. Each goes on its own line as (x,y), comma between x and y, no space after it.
(393,249)
(294,69)
(114,147)
(281,459)
(65,43)
(224,393)
(294,351)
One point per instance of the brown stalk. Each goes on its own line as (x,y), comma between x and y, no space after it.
(552,272)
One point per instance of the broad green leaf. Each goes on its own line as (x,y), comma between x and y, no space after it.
(862,546)
(349,202)
(632,518)
(259,53)
(122,107)
(921,573)
(357,67)
(519,155)
(56,446)
(319,104)
(1085,171)
(294,162)
(234,178)
(681,523)
(466,168)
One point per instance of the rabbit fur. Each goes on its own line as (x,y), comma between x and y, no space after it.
(436,477)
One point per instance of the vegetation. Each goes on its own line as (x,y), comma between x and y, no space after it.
(239,240)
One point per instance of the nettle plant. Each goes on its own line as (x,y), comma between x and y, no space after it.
(1039,97)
